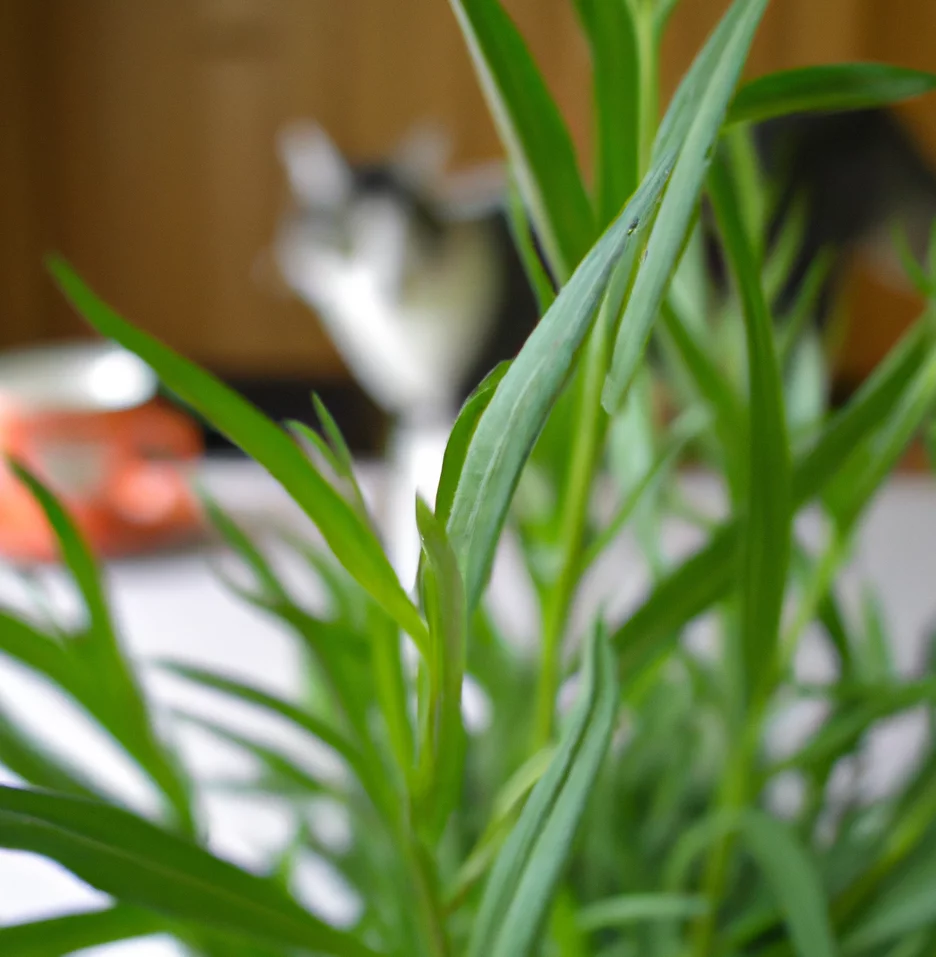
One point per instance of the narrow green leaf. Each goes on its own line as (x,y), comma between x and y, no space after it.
(767,527)
(242,545)
(687,427)
(640,908)
(443,742)
(706,106)
(74,553)
(509,426)
(533,132)
(866,706)
(140,864)
(280,765)
(525,244)
(453,461)
(31,647)
(794,881)
(335,439)
(612,38)
(873,462)
(97,672)
(272,704)
(506,803)
(831,88)
(530,864)
(34,763)
(74,932)
(353,542)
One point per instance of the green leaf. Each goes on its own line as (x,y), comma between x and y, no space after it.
(612,38)
(508,799)
(705,576)
(336,440)
(443,737)
(319,729)
(873,462)
(97,672)
(353,542)
(282,768)
(509,426)
(832,88)
(140,864)
(530,126)
(716,70)
(74,932)
(453,461)
(522,236)
(794,881)
(242,545)
(767,528)
(687,427)
(34,763)
(640,908)
(856,716)
(75,554)
(519,890)
(31,647)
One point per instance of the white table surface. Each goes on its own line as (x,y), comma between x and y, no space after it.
(173,606)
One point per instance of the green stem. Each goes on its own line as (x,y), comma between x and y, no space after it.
(586,447)
(733,798)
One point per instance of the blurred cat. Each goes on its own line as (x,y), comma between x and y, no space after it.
(417,280)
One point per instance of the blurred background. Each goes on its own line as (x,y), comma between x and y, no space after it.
(138,140)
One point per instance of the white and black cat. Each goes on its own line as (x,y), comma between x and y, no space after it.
(418,282)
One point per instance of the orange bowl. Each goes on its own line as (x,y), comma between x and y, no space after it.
(85,420)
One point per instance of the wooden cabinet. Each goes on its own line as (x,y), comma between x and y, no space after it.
(138,136)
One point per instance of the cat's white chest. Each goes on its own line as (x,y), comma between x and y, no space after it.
(409,347)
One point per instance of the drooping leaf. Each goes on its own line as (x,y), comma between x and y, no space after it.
(533,132)
(508,427)
(831,88)
(352,541)
(123,855)
(717,70)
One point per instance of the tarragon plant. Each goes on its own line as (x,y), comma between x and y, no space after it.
(634,819)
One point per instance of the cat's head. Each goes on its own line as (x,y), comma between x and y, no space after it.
(382,217)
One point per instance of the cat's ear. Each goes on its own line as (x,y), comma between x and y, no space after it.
(422,156)
(318,173)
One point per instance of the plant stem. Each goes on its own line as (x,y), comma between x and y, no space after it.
(732,799)
(432,911)
(587,442)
